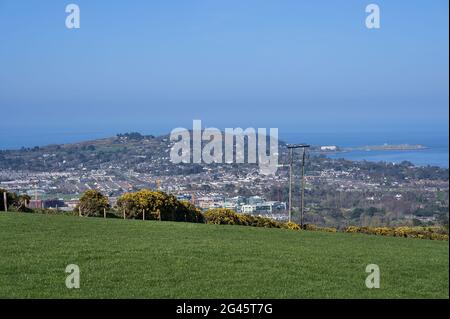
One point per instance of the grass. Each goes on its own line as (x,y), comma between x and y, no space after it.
(150,259)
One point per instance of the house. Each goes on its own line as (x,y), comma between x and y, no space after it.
(328,148)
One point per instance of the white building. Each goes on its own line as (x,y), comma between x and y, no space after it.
(328,148)
(263,208)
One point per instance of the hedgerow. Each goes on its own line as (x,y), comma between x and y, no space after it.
(317,228)
(435,233)
(224,216)
(157,205)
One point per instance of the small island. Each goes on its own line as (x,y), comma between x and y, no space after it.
(389,147)
(384,147)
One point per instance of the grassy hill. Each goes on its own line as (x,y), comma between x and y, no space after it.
(150,259)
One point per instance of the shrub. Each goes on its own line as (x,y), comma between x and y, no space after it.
(224,216)
(92,203)
(157,205)
(435,233)
(17,203)
(291,225)
(189,212)
(317,228)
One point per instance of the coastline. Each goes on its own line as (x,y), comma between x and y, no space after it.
(433,156)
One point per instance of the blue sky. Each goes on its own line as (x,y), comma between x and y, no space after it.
(151,66)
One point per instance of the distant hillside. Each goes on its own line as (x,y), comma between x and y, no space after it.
(86,154)
(124,151)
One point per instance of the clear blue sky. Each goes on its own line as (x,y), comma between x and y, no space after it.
(151,66)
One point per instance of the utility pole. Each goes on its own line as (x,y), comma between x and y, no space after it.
(291,160)
(290,182)
(302,207)
(5,201)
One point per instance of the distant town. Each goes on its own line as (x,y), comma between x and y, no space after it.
(338,192)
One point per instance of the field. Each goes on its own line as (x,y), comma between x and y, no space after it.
(151,259)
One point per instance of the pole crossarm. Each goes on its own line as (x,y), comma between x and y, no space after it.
(298,145)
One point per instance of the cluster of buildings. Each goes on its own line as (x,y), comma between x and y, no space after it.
(253,205)
(54,203)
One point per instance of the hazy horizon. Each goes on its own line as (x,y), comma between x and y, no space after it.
(431,138)
(152,67)
(229,63)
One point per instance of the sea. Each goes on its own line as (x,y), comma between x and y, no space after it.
(436,153)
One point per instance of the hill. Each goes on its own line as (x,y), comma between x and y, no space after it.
(145,259)
(123,151)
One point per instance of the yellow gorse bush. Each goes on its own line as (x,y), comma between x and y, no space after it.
(434,233)
(317,228)
(224,216)
(157,205)
(291,225)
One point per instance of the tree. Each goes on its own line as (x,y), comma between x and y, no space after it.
(16,202)
(92,203)
(21,202)
(10,198)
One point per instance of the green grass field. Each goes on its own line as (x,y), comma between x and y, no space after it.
(150,259)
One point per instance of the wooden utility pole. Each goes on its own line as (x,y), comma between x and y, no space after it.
(79,211)
(291,155)
(5,201)
(302,207)
(290,182)
(104,212)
